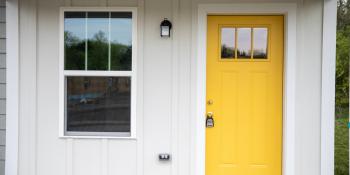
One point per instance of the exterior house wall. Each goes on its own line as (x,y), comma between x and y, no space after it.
(164,76)
(2,85)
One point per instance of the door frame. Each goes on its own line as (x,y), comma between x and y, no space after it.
(198,76)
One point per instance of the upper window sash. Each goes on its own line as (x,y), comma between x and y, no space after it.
(98,40)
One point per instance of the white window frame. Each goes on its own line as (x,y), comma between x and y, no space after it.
(132,74)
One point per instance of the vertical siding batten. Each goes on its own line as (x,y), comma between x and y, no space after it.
(69,142)
(140,89)
(48,145)
(193,92)
(183,122)
(175,86)
(12,140)
(104,157)
(69,157)
(27,98)
(2,87)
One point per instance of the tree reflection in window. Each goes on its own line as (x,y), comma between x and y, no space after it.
(244,43)
(97,46)
(121,40)
(98,40)
(98,104)
(74,40)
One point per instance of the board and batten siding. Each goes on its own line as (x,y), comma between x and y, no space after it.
(164,121)
(2,85)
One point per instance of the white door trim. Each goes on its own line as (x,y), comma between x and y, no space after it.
(12,86)
(328,86)
(198,76)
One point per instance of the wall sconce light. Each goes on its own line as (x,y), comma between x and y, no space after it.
(165,27)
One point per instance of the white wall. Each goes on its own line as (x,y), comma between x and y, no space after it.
(164,120)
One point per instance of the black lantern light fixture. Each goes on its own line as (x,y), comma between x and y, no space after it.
(165,27)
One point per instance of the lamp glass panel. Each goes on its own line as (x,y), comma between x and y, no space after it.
(165,30)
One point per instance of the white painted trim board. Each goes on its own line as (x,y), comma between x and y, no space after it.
(12,89)
(328,86)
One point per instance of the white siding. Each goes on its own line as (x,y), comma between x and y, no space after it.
(2,85)
(164,118)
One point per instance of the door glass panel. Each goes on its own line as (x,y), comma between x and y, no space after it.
(121,37)
(97,33)
(244,42)
(74,40)
(98,104)
(228,43)
(260,43)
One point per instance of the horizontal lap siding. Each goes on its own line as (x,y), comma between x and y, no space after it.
(2,85)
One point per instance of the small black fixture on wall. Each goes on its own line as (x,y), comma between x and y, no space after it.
(164,157)
(165,27)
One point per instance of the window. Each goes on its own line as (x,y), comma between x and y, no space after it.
(260,43)
(228,43)
(98,73)
(244,43)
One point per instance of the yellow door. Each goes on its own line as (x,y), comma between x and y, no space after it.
(244,95)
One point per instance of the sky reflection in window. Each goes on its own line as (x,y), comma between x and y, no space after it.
(260,43)
(244,42)
(227,43)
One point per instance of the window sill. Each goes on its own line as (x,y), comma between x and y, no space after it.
(98,137)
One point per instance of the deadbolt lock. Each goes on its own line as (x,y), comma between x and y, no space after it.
(209,120)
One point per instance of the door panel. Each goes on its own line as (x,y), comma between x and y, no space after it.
(245,87)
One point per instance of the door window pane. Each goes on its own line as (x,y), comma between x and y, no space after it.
(243,42)
(97,33)
(74,40)
(260,43)
(227,43)
(121,38)
(98,104)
